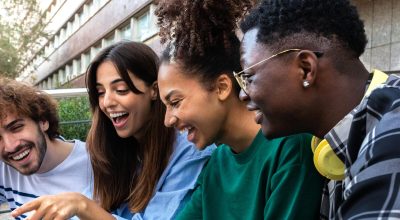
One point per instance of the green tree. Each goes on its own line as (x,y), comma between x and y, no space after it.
(22,33)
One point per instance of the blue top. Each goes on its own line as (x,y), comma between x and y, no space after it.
(176,183)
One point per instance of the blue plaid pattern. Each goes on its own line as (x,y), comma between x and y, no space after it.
(367,140)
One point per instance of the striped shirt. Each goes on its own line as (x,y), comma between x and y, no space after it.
(368,141)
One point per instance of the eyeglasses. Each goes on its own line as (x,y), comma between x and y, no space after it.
(243,79)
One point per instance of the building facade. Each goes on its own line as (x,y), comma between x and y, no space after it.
(83,27)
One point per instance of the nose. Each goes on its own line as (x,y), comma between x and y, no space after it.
(8,142)
(243,96)
(108,100)
(169,120)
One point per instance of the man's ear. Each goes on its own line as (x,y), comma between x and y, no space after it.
(223,86)
(44,125)
(307,62)
(154,91)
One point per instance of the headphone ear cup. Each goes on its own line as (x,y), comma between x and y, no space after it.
(326,161)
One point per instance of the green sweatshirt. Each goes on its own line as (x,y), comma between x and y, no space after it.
(271,179)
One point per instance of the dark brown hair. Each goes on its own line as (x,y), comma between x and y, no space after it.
(201,36)
(25,100)
(126,169)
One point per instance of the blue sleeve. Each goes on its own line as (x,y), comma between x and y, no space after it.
(177,182)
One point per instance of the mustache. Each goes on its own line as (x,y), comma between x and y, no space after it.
(21,146)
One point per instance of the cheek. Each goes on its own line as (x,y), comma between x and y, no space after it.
(101,106)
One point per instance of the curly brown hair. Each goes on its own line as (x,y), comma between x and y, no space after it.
(24,100)
(196,25)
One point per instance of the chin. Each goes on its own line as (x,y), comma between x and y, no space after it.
(270,133)
(200,146)
(124,134)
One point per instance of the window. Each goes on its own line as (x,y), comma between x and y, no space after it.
(69,29)
(76,64)
(85,60)
(75,23)
(125,32)
(61,76)
(68,72)
(49,83)
(56,41)
(108,41)
(62,35)
(145,24)
(93,51)
(55,80)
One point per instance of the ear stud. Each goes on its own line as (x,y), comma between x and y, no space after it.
(306,84)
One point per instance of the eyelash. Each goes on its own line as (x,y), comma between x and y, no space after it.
(123,91)
(119,91)
(175,103)
(17,127)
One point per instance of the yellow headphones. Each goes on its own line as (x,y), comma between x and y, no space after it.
(325,160)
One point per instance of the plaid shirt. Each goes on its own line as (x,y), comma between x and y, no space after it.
(368,141)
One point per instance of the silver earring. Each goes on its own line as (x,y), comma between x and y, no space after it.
(306,84)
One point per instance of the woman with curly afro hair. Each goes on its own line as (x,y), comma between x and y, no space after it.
(248,176)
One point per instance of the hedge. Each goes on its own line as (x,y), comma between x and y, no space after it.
(75,117)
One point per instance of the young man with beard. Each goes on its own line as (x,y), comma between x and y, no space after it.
(34,160)
(302,73)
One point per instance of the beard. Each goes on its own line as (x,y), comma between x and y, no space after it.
(38,146)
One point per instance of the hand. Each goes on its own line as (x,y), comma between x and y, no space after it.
(57,207)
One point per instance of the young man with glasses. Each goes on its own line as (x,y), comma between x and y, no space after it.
(321,87)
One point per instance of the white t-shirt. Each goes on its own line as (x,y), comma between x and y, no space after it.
(72,175)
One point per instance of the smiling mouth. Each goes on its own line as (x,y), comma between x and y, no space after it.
(21,155)
(118,117)
(187,129)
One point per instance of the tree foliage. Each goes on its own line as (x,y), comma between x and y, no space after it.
(22,33)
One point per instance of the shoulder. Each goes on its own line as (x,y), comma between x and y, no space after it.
(79,147)
(292,143)
(79,153)
(293,149)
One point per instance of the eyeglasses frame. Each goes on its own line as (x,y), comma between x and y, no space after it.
(243,81)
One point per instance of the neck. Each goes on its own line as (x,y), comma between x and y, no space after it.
(240,128)
(344,92)
(57,151)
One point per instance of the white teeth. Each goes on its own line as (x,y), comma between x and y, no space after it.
(185,129)
(115,115)
(21,155)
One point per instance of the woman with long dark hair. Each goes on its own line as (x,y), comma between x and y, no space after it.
(142,169)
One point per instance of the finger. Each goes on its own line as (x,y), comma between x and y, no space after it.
(44,211)
(37,215)
(49,216)
(27,207)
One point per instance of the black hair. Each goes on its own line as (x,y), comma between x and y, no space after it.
(335,20)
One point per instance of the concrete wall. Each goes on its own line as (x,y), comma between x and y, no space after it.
(382,24)
(96,28)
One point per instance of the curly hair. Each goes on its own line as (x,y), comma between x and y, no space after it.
(201,35)
(335,20)
(25,100)
(198,24)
